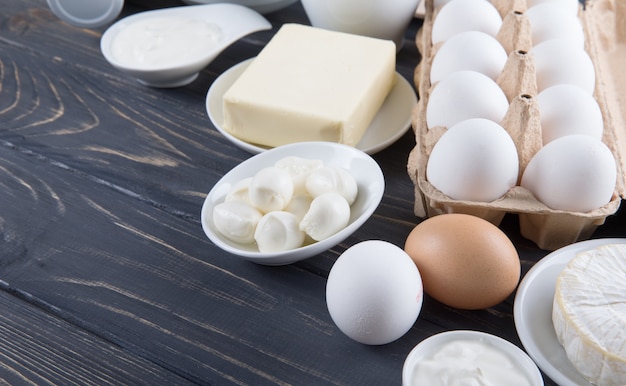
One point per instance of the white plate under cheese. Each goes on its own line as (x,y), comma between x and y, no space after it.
(589,313)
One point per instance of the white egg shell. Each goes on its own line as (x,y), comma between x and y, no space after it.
(465,15)
(374,292)
(549,21)
(574,173)
(463,95)
(567,109)
(278,231)
(469,50)
(474,160)
(570,6)
(561,62)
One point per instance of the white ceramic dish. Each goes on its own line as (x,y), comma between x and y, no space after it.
(382,19)
(391,122)
(428,346)
(533,313)
(368,175)
(233,22)
(262,6)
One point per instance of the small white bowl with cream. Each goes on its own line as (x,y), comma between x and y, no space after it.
(168,47)
(244,201)
(471,356)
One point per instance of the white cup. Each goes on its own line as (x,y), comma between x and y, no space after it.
(383,19)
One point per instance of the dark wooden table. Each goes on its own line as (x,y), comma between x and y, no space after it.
(106,276)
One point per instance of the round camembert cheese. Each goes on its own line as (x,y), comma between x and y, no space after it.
(589,313)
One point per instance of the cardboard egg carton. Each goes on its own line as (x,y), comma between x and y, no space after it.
(604,23)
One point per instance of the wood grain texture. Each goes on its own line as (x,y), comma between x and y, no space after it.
(105,274)
(38,348)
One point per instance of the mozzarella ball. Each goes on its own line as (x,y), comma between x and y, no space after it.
(239,191)
(328,214)
(299,168)
(278,231)
(270,189)
(332,179)
(236,220)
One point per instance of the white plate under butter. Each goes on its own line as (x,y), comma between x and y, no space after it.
(227,23)
(533,313)
(390,123)
(365,170)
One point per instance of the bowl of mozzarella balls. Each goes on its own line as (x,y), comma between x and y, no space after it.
(292,202)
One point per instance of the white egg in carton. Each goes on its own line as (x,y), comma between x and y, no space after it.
(521,79)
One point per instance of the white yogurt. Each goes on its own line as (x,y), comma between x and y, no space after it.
(468,363)
(162,42)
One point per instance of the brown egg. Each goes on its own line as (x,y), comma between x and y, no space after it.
(465,262)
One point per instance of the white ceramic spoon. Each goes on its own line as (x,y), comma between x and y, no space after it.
(152,45)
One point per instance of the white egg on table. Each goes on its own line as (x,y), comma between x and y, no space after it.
(469,50)
(549,21)
(374,292)
(474,160)
(465,15)
(463,95)
(559,61)
(570,6)
(574,173)
(567,109)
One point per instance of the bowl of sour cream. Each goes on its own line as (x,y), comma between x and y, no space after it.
(168,47)
(469,358)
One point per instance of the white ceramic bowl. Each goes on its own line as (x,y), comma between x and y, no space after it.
(427,347)
(262,6)
(232,21)
(382,19)
(368,175)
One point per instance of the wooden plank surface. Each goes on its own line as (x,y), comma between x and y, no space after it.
(39,348)
(105,274)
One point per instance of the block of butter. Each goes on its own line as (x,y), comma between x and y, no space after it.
(310,84)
